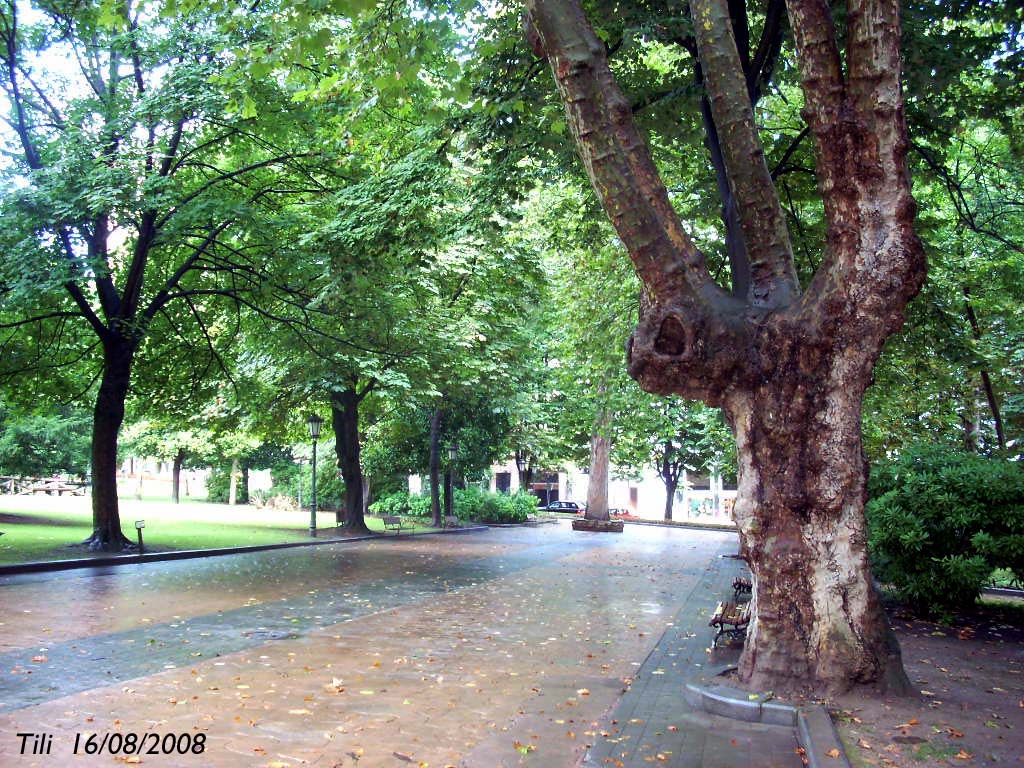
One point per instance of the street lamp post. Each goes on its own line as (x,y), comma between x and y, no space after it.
(314,423)
(449,495)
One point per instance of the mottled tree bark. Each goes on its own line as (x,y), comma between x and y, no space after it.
(108,415)
(788,365)
(597,487)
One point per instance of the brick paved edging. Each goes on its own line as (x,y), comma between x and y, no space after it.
(187,554)
(814,727)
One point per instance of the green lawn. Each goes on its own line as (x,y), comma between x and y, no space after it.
(43,527)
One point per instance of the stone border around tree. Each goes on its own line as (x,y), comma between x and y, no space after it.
(815,730)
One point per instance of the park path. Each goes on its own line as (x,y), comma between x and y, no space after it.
(507,647)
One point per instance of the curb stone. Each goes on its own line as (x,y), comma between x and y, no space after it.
(188,554)
(814,727)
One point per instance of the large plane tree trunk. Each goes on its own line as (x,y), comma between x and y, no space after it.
(788,364)
(108,415)
(597,487)
(800,511)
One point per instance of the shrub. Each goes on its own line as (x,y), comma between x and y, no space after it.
(941,521)
(402,504)
(488,507)
(469,504)
(524,504)
(218,485)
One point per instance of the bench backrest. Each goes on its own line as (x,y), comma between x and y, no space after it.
(392,520)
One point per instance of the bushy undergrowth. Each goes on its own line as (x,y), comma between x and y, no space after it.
(402,505)
(941,521)
(469,504)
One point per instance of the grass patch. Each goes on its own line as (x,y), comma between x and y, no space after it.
(48,528)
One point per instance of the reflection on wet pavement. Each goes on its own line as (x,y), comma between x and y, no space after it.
(423,647)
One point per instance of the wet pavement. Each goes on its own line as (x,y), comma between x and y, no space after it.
(524,646)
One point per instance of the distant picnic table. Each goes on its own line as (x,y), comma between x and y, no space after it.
(28,486)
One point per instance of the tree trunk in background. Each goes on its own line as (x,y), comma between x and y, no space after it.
(367,496)
(435,467)
(669,473)
(670,495)
(986,379)
(597,488)
(108,415)
(345,423)
(179,461)
(233,482)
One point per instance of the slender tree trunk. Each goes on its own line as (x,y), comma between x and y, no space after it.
(243,486)
(345,422)
(670,476)
(986,379)
(179,460)
(108,415)
(435,466)
(597,489)
(367,496)
(670,496)
(233,482)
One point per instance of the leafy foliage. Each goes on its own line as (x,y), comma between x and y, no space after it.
(940,521)
(486,507)
(469,504)
(43,444)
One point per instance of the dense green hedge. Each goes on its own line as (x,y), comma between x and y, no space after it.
(941,521)
(469,504)
(402,504)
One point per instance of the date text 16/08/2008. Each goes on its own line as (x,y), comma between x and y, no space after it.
(116,743)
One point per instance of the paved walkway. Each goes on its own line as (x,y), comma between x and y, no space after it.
(530,646)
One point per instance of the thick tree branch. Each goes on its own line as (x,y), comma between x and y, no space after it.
(773,280)
(615,155)
(874,262)
(759,74)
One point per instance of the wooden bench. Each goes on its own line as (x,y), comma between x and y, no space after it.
(730,619)
(395,523)
(741,586)
(451,521)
